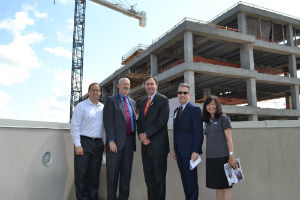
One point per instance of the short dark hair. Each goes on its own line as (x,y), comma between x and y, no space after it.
(206,114)
(155,80)
(94,84)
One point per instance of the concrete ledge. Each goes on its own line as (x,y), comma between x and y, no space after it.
(260,124)
(276,48)
(11,123)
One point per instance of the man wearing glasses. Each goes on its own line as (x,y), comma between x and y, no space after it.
(188,139)
(87,132)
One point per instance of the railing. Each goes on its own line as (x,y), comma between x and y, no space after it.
(138,48)
(254,6)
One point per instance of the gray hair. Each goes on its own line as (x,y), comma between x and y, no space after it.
(185,85)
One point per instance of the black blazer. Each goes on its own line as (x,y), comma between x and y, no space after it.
(155,125)
(188,131)
(114,120)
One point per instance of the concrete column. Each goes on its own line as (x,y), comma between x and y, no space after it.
(247,62)
(288,102)
(115,88)
(246,56)
(251,96)
(103,94)
(292,66)
(295,96)
(289,35)
(153,65)
(206,92)
(294,89)
(189,77)
(242,23)
(188,47)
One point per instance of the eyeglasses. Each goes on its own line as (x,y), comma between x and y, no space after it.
(182,92)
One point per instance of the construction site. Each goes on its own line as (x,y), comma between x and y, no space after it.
(245,55)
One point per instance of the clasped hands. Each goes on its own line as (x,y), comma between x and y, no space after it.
(144,139)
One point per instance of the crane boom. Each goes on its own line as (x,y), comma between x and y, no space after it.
(78,43)
(141,16)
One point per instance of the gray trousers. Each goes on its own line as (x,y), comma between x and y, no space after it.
(119,165)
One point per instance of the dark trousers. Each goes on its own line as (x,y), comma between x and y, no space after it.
(189,178)
(119,165)
(155,170)
(87,169)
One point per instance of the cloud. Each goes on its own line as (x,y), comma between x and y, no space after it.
(5,100)
(17,58)
(56,106)
(17,25)
(63,77)
(65,1)
(60,51)
(70,23)
(40,14)
(62,37)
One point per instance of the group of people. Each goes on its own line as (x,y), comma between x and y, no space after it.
(117,122)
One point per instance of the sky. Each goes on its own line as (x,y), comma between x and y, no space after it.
(36,46)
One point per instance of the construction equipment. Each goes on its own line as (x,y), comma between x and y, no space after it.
(78,43)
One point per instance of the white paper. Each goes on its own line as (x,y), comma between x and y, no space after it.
(195,163)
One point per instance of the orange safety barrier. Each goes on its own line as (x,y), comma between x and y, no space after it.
(223,63)
(226,100)
(226,28)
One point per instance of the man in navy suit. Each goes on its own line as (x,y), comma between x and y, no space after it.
(188,139)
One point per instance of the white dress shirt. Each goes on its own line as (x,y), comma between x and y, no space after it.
(87,120)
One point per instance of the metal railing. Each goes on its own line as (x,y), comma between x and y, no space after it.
(254,6)
(139,47)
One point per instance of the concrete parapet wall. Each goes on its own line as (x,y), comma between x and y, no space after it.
(22,173)
(269,153)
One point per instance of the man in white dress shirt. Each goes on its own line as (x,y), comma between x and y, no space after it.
(87,131)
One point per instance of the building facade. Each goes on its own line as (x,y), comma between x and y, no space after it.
(245,55)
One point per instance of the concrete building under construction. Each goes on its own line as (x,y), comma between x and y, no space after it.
(244,55)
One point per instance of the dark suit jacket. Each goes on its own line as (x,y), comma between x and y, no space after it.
(155,125)
(114,120)
(188,131)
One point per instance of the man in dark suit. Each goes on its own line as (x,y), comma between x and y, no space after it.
(120,127)
(188,139)
(153,133)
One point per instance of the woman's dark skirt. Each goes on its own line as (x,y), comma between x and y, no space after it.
(215,174)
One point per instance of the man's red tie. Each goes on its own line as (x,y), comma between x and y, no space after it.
(128,118)
(147,105)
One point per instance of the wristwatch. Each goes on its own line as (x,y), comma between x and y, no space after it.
(230,153)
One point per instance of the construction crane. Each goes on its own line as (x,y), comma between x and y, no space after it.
(78,43)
